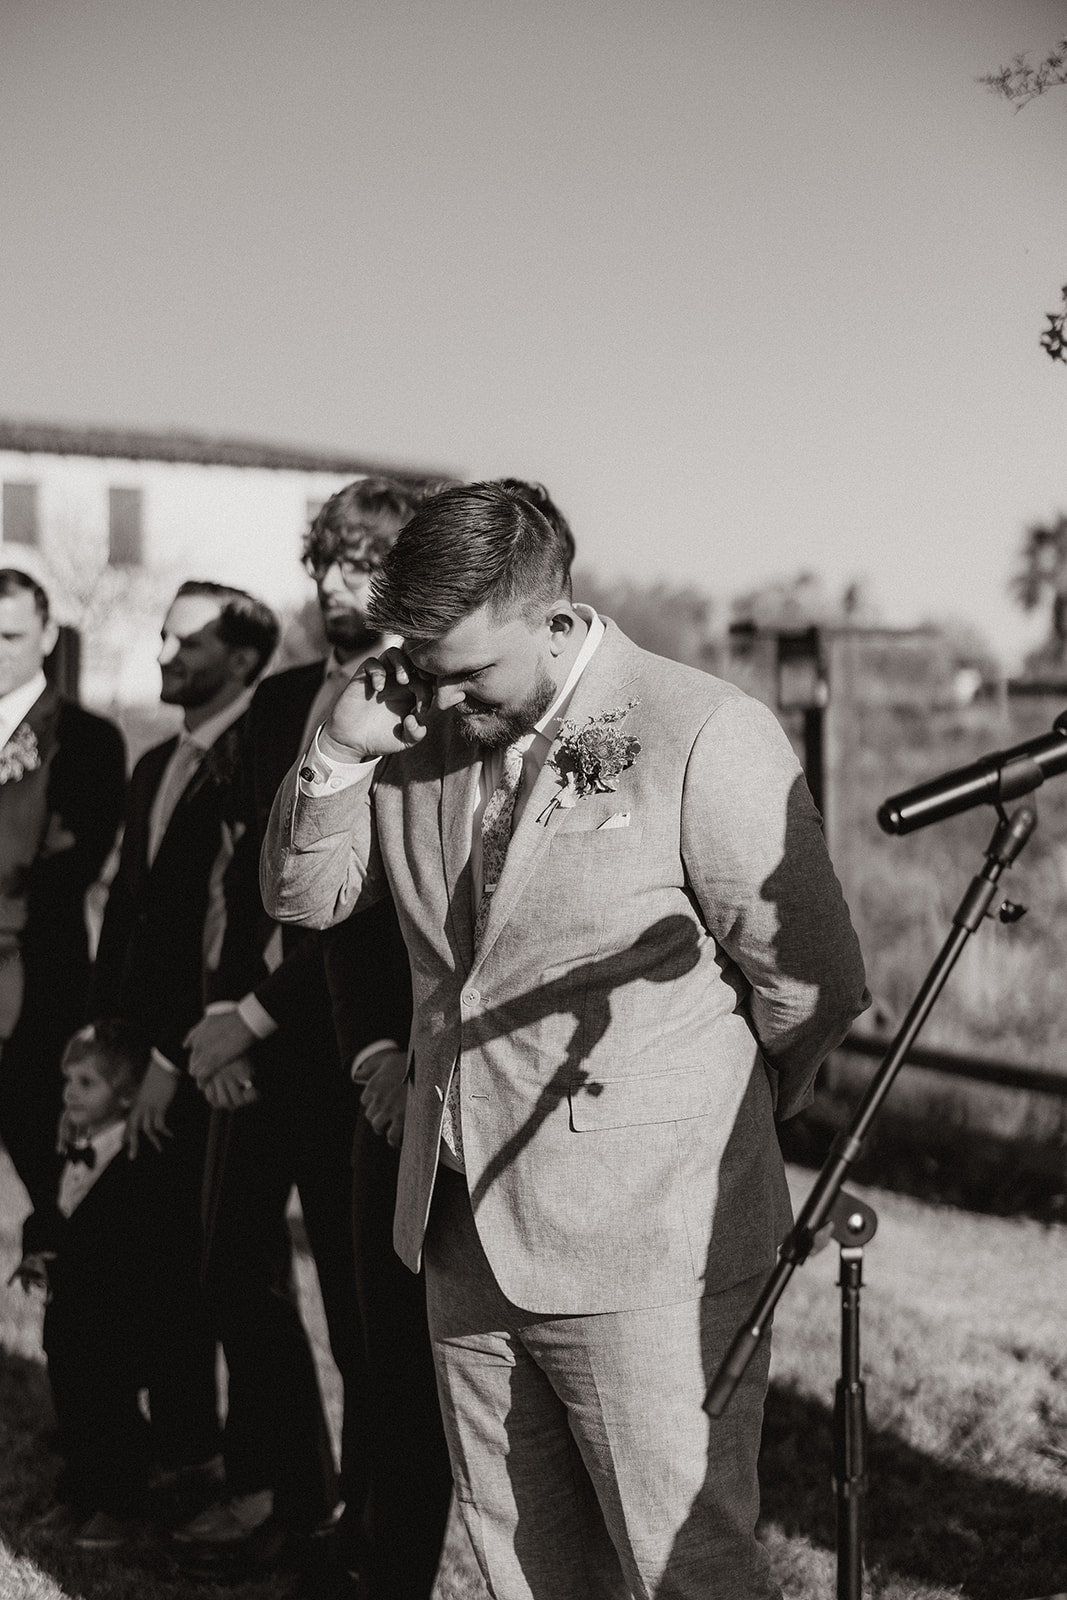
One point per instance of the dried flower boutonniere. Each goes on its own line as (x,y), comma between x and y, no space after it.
(19,755)
(589,757)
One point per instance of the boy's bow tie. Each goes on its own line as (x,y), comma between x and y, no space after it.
(83,1153)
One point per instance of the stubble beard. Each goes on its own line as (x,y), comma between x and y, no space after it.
(493,730)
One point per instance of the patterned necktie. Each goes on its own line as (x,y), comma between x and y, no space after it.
(496,830)
(496,836)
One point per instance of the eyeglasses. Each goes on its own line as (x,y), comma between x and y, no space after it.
(353,569)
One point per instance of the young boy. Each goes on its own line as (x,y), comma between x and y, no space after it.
(105,1254)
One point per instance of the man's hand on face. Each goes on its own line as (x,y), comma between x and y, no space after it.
(381,712)
(217,1039)
(148,1114)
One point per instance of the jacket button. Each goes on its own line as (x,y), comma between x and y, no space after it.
(470,997)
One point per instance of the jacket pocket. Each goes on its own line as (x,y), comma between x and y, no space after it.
(629,1102)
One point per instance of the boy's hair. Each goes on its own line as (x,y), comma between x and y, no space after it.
(118,1049)
(478,545)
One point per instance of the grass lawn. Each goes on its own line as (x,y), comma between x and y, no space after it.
(966,1368)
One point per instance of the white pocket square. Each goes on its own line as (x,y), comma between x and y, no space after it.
(618,819)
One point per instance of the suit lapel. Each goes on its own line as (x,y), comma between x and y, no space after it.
(603,685)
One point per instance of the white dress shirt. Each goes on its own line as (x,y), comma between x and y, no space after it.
(14,706)
(77,1179)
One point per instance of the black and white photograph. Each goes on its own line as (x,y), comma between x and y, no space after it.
(533,800)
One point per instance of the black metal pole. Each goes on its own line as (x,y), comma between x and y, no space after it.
(1008,839)
(850,1434)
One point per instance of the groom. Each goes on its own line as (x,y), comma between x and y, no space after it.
(629,952)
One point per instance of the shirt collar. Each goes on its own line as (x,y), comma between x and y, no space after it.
(548,727)
(107,1141)
(14,706)
(208,732)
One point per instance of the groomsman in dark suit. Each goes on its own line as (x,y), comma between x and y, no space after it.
(62,777)
(306,1128)
(163,922)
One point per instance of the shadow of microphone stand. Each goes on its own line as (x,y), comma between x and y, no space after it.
(829,1210)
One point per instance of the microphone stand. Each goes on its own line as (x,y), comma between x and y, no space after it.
(853,1222)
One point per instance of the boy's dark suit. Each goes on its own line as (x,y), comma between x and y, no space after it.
(307,1125)
(115,1324)
(57,826)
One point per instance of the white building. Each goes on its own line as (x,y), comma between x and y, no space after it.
(112,520)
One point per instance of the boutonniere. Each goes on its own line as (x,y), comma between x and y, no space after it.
(19,755)
(589,757)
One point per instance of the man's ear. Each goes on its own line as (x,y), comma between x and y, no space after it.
(246,662)
(49,636)
(561,625)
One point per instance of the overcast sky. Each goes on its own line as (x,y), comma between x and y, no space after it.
(751,287)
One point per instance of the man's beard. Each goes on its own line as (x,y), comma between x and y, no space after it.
(190,690)
(348,631)
(495,729)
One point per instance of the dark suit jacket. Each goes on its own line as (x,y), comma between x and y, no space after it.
(57,826)
(297,994)
(150,962)
(109,1277)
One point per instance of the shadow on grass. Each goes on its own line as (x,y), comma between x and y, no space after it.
(29,1467)
(941,1165)
(927,1520)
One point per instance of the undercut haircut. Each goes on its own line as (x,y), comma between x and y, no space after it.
(14,581)
(245,623)
(538,496)
(361,521)
(475,545)
(119,1050)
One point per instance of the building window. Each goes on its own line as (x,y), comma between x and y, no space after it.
(124,537)
(20,514)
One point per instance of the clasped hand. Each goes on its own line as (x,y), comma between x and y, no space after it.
(382,711)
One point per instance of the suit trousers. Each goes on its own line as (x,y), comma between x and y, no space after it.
(299,1133)
(584,1464)
(410,1481)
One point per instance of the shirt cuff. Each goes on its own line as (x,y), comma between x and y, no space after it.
(161,1061)
(320,774)
(365,1054)
(256,1018)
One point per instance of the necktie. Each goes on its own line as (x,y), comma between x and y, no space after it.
(496,831)
(83,1153)
(496,836)
(179,770)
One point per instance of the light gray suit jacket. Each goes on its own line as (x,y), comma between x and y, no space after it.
(642,999)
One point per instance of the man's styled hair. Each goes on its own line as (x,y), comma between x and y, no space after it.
(118,1049)
(538,496)
(361,520)
(14,581)
(475,545)
(245,623)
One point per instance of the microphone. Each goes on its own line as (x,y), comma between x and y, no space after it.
(991,780)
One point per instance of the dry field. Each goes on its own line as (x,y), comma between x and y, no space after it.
(964,1358)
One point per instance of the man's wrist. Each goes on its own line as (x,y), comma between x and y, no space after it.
(334,750)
